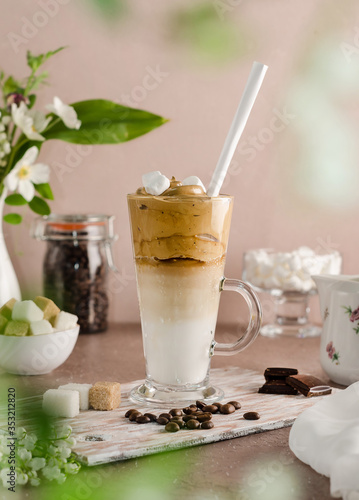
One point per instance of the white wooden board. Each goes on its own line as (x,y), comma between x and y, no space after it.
(107,436)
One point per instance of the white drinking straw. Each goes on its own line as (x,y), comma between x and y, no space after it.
(251,90)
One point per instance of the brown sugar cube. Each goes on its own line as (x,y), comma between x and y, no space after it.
(105,395)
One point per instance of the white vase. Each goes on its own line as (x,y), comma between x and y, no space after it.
(9,285)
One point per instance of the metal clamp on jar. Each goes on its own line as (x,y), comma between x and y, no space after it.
(76,265)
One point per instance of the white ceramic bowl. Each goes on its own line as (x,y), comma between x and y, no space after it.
(36,354)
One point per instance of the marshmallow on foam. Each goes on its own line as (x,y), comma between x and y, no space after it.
(155,183)
(193,180)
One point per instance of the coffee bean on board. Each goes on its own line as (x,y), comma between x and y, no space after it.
(251,415)
(236,404)
(162,420)
(186,418)
(134,415)
(172,427)
(227,409)
(200,404)
(128,412)
(210,408)
(205,417)
(175,412)
(188,410)
(151,416)
(207,425)
(193,424)
(178,421)
(142,419)
(218,405)
(166,415)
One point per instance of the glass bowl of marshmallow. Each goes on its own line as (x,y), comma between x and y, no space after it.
(286,276)
(35,336)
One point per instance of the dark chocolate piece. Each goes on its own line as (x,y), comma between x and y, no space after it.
(277,373)
(277,387)
(309,385)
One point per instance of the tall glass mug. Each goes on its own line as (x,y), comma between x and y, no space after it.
(179,245)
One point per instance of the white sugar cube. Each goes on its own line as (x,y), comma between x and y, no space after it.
(61,403)
(155,183)
(65,321)
(193,180)
(27,310)
(40,327)
(83,390)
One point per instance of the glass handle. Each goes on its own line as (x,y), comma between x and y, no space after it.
(255,314)
(110,262)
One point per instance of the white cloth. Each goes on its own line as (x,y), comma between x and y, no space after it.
(326,437)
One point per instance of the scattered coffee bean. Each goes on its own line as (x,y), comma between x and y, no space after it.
(251,415)
(128,413)
(193,406)
(200,404)
(172,427)
(142,419)
(151,416)
(210,409)
(186,418)
(205,417)
(134,415)
(178,421)
(218,405)
(193,424)
(207,425)
(227,409)
(236,404)
(166,415)
(162,420)
(175,413)
(188,410)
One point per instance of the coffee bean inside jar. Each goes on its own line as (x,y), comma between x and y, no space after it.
(76,266)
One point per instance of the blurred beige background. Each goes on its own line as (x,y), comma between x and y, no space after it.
(295,176)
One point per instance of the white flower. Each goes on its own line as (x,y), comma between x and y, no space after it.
(64,431)
(20,432)
(61,478)
(51,472)
(6,120)
(23,177)
(64,452)
(28,441)
(21,477)
(37,463)
(35,481)
(67,113)
(24,454)
(71,468)
(4,476)
(30,121)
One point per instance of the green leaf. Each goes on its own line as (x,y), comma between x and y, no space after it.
(15,200)
(11,85)
(34,62)
(37,80)
(12,218)
(45,190)
(104,122)
(32,100)
(39,206)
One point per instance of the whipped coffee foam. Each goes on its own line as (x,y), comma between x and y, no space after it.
(289,271)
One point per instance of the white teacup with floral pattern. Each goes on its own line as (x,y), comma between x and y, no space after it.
(339,348)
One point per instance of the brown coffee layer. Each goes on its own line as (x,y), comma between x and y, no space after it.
(169,227)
